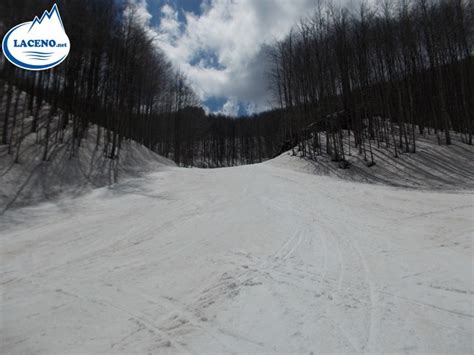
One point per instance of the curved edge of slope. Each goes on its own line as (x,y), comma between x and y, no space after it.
(33,180)
(432,167)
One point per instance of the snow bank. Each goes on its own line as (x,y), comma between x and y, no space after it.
(34,180)
(433,166)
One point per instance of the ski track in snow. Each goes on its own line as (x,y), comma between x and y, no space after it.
(250,259)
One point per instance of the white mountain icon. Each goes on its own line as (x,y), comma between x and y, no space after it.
(50,20)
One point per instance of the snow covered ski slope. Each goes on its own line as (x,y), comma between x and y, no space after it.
(254,259)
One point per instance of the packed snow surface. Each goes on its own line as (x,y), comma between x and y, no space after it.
(253,259)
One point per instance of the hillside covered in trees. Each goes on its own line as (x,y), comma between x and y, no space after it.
(343,82)
(378,77)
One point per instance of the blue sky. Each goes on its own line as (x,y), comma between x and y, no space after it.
(221,45)
(182,6)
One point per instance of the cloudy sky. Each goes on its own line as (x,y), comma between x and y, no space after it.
(220,45)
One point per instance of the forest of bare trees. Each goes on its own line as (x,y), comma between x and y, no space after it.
(342,78)
(114,78)
(117,81)
(216,140)
(377,76)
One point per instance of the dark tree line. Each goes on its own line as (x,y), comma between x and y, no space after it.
(377,76)
(217,140)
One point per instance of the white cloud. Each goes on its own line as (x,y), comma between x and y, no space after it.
(169,26)
(230,107)
(234,31)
